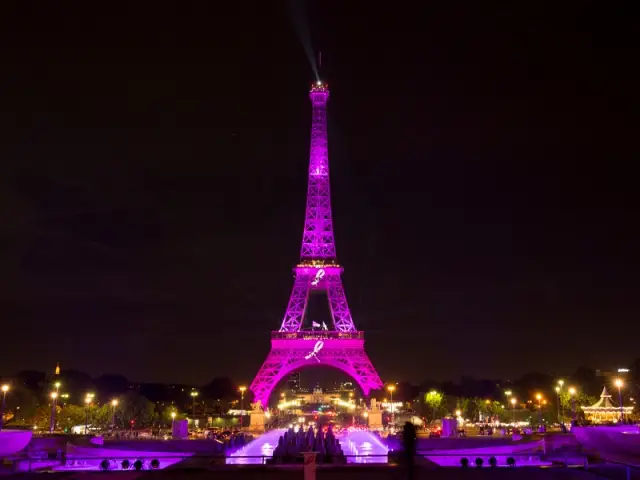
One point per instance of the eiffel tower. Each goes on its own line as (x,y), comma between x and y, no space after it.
(339,345)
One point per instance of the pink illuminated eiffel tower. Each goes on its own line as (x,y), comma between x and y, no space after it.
(340,346)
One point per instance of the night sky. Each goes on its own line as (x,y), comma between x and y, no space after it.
(153,184)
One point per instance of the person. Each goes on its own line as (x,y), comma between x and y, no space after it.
(409,439)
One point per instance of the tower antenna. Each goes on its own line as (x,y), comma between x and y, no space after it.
(319,65)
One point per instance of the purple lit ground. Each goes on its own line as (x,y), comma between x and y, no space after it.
(255,451)
(367,447)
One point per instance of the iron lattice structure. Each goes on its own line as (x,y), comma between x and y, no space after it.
(342,347)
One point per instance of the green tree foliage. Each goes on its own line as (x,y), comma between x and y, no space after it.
(479,407)
(95,415)
(463,404)
(434,401)
(22,404)
(134,406)
(581,399)
(42,417)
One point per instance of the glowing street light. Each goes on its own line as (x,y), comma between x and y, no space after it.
(391,389)
(242,389)
(619,383)
(87,402)
(572,394)
(508,393)
(52,420)
(114,404)
(194,394)
(513,409)
(173,420)
(5,388)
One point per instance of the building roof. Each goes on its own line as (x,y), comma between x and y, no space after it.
(605,404)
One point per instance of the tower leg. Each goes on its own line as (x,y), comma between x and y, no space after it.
(338,304)
(294,315)
(286,356)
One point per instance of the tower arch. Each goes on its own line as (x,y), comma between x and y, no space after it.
(291,352)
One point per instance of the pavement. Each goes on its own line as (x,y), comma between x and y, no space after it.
(351,472)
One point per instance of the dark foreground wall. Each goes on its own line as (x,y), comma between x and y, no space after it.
(342,473)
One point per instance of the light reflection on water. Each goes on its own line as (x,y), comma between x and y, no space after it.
(262,446)
(365,445)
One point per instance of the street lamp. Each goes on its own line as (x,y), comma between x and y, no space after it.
(5,389)
(242,390)
(433,393)
(391,389)
(87,402)
(173,419)
(114,404)
(558,399)
(561,406)
(194,394)
(619,383)
(539,398)
(513,409)
(572,393)
(52,420)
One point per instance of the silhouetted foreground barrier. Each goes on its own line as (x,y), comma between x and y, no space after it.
(393,458)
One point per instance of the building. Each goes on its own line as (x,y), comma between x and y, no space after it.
(604,410)
(293,383)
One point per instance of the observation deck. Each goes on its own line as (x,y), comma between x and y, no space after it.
(317,335)
(319,86)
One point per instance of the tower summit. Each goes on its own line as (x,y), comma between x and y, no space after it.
(318,245)
(338,345)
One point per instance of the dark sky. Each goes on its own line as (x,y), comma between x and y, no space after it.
(154,176)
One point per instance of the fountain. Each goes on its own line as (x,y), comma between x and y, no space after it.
(287,446)
(292,444)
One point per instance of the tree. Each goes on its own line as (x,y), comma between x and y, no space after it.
(462,404)
(581,399)
(479,406)
(42,417)
(221,387)
(112,384)
(22,404)
(434,400)
(134,406)
(94,415)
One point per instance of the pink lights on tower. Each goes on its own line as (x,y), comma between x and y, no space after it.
(341,346)
(317,239)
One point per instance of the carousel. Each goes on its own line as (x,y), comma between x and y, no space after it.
(604,411)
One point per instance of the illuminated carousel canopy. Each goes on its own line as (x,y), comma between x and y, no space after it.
(604,410)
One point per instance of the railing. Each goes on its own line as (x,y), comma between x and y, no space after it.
(317,335)
(141,462)
(630,471)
